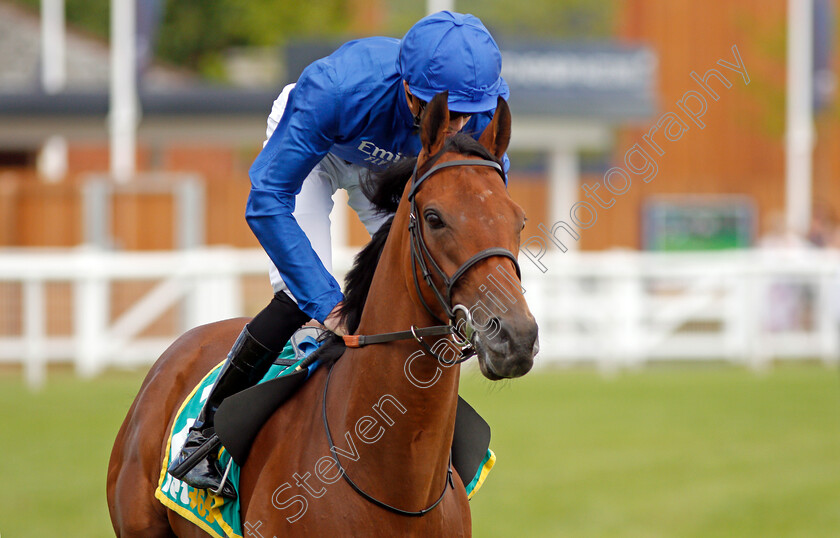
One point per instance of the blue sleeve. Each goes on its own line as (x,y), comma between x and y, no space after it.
(476,125)
(307,130)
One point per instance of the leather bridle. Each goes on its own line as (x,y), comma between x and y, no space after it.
(420,254)
(421,257)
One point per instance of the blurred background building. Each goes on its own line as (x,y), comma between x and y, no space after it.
(685,265)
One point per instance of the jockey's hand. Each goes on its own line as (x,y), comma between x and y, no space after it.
(334,322)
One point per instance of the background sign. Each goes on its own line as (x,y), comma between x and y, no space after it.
(672,223)
(595,80)
(550,79)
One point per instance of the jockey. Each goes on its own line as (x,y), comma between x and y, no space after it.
(356,110)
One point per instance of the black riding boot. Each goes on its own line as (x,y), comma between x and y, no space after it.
(247,363)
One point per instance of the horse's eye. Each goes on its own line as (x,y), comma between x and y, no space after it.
(433,219)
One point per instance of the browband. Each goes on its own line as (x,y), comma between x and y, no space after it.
(463,162)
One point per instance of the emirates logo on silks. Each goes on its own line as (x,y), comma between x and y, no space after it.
(376,155)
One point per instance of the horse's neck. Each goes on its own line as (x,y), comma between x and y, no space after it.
(405,391)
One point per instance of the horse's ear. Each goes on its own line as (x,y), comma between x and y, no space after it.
(434,125)
(496,136)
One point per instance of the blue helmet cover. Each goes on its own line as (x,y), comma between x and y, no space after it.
(454,52)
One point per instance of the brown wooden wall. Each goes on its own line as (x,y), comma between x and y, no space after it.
(740,150)
(35,213)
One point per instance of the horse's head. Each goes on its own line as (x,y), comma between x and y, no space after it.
(465,240)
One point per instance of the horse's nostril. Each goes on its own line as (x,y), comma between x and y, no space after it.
(498,337)
(510,338)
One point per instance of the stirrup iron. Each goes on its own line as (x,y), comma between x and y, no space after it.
(218,491)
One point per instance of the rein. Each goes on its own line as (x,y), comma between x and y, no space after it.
(419,255)
(359,490)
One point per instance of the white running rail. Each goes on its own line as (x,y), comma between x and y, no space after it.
(615,309)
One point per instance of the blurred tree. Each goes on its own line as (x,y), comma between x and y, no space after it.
(89,15)
(196,33)
(518,19)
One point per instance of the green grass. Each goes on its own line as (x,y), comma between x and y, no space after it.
(677,453)
(691,452)
(54,450)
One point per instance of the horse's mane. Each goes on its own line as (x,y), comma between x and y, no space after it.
(384,189)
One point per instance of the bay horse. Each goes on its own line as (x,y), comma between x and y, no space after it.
(389,407)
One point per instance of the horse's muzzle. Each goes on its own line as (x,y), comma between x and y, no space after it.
(506,348)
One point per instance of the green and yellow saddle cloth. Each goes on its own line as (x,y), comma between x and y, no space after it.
(220,517)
